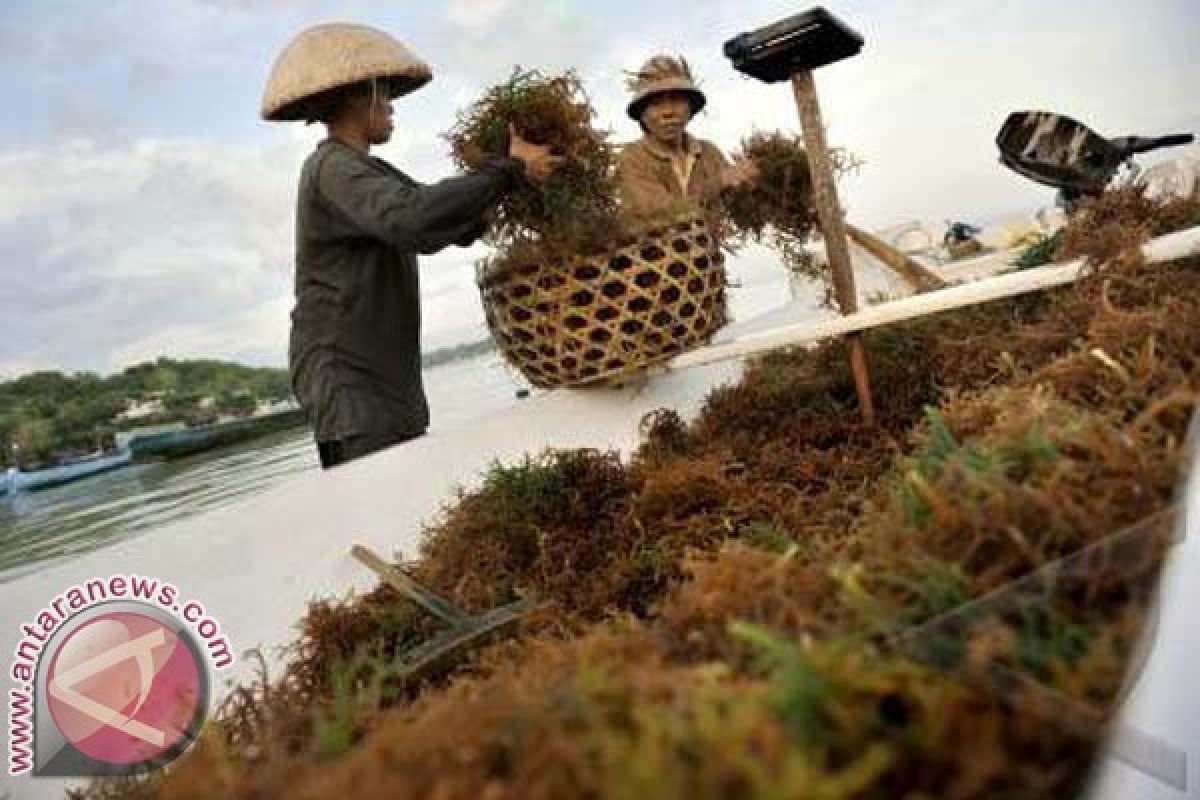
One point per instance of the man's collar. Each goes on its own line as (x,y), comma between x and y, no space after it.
(691,145)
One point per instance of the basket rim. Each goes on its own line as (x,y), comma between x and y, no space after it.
(656,229)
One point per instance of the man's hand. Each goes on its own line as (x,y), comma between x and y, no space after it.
(538,161)
(741,172)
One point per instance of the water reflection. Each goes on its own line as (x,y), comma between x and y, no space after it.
(50,524)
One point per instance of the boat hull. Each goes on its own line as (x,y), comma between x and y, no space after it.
(14,482)
(189,441)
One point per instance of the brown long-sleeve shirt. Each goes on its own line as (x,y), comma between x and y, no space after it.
(355,348)
(652,184)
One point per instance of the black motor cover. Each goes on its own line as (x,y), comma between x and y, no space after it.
(1058,151)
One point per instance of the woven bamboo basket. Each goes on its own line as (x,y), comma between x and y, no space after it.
(597,320)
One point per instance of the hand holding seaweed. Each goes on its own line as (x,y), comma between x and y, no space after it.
(741,173)
(538,160)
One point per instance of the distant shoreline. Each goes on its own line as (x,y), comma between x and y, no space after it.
(49,417)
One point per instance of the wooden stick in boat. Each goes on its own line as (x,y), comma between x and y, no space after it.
(919,276)
(426,598)
(465,630)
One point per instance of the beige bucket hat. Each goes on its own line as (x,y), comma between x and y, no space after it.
(663,74)
(328,57)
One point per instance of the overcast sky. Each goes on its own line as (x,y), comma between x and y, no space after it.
(145,210)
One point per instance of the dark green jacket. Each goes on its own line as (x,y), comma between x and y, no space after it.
(355,349)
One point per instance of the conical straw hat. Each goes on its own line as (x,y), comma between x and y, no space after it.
(331,56)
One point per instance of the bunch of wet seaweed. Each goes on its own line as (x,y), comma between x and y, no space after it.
(774,600)
(575,211)
(778,207)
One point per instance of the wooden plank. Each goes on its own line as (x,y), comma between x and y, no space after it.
(466,630)
(919,276)
(417,662)
(979,267)
(427,599)
(1166,248)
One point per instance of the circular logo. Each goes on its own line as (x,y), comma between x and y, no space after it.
(127,689)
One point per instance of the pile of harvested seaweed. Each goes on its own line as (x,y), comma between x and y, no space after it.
(766,602)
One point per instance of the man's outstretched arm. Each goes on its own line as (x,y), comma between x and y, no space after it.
(412,216)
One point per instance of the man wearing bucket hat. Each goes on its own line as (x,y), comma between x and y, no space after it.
(668,168)
(354,354)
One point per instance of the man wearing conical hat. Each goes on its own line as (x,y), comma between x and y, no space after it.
(355,349)
(668,168)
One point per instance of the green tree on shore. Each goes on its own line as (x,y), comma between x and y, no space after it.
(50,415)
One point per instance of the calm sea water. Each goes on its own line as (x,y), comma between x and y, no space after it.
(36,527)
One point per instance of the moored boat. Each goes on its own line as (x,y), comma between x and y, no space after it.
(16,480)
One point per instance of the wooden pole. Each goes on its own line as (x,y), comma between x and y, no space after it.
(833,229)
(919,276)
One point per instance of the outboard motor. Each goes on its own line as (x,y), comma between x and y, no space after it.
(1058,151)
